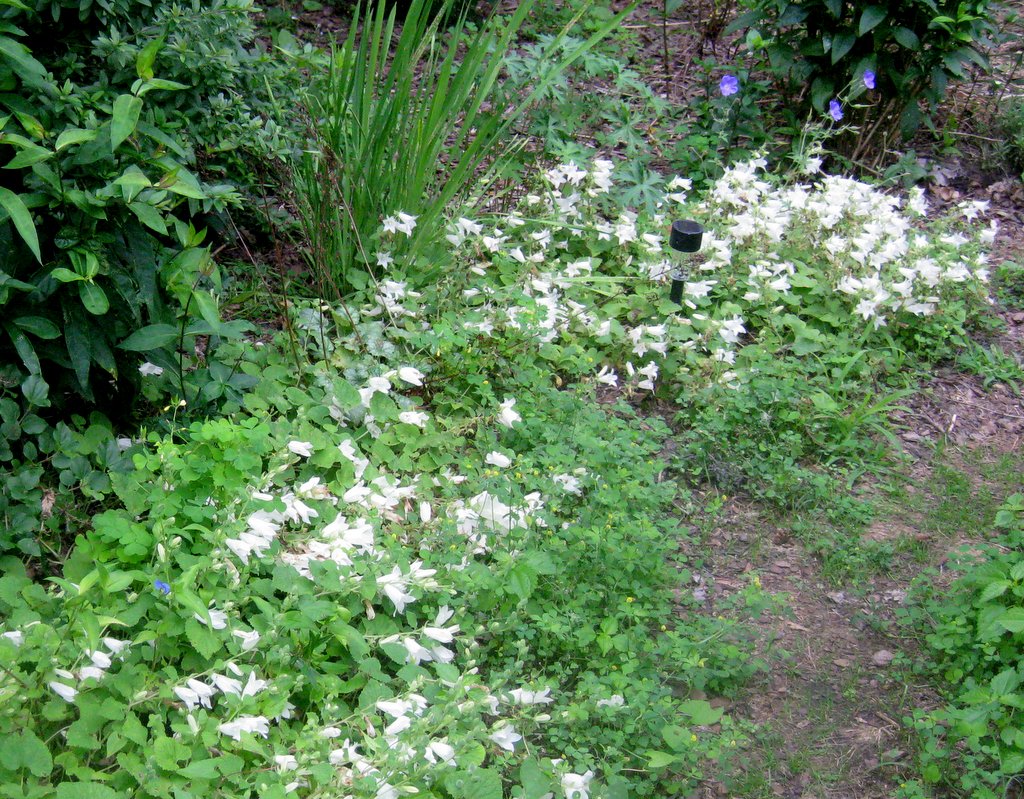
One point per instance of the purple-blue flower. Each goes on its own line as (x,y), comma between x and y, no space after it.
(162,587)
(836,110)
(869,78)
(730,85)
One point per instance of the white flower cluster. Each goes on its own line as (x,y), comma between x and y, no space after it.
(99,661)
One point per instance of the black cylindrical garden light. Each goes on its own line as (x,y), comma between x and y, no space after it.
(686,237)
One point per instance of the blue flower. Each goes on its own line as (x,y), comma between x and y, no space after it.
(162,587)
(869,79)
(835,109)
(730,85)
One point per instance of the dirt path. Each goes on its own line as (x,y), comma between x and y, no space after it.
(830,711)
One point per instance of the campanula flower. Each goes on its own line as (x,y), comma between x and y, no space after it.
(835,109)
(162,587)
(730,84)
(869,79)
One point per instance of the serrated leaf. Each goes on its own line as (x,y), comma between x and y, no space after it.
(86,790)
(522,580)
(22,219)
(1005,682)
(994,589)
(126,111)
(26,751)
(205,641)
(1012,620)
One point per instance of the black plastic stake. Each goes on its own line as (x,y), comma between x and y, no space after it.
(686,237)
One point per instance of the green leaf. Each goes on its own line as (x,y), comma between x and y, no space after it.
(202,639)
(76,339)
(29,155)
(66,276)
(201,769)
(658,760)
(1012,620)
(22,219)
(522,580)
(822,90)
(26,750)
(74,136)
(146,58)
(151,337)
(480,784)
(132,182)
(93,297)
(160,83)
(23,64)
(149,216)
(906,37)
(841,45)
(25,350)
(125,117)
(994,589)
(86,790)
(38,327)
(186,189)
(792,14)
(536,784)
(871,17)
(1005,682)
(346,394)
(701,712)
(207,306)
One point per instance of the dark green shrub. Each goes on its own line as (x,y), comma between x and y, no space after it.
(820,50)
(110,117)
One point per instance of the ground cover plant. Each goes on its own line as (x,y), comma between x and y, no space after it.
(972,639)
(435,535)
(355,579)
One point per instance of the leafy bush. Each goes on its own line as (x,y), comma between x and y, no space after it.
(102,208)
(821,50)
(974,633)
